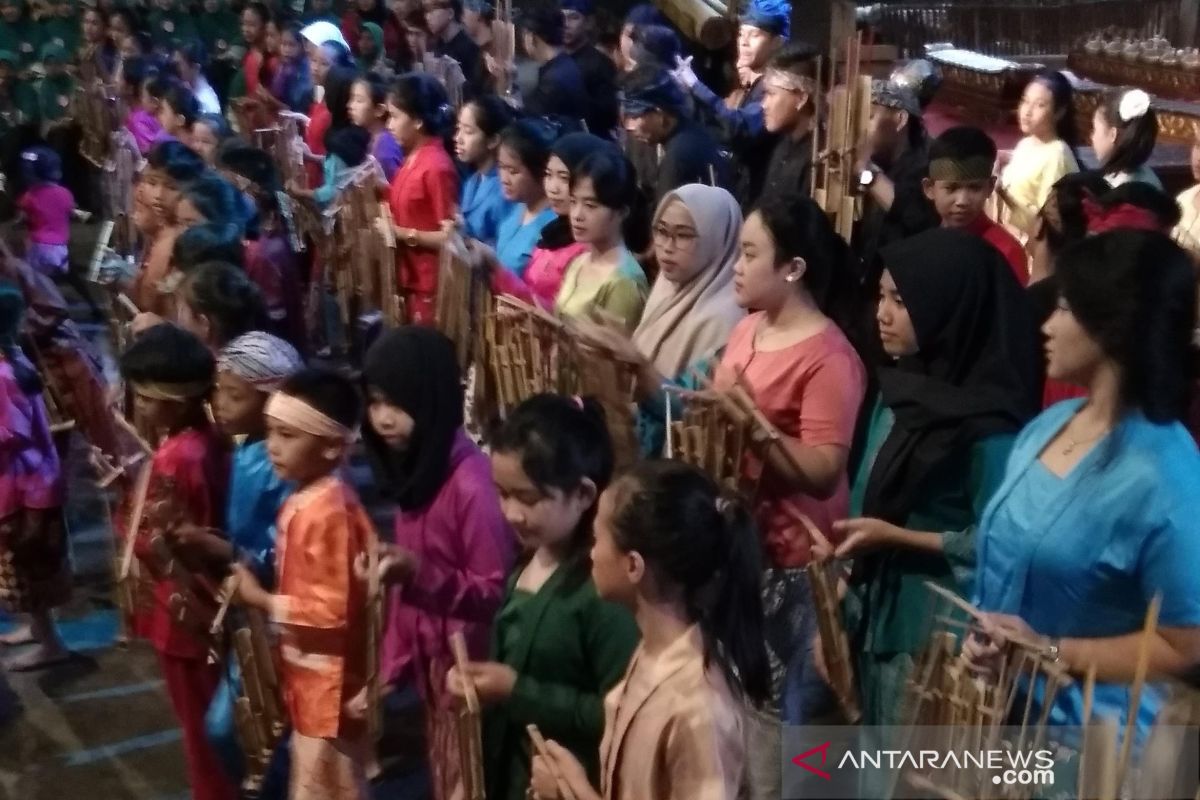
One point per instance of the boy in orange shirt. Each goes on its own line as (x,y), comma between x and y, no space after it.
(320,606)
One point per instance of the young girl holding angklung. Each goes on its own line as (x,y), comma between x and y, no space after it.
(557,648)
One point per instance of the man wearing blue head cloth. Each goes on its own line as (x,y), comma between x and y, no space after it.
(655,112)
(598,70)
(738,118)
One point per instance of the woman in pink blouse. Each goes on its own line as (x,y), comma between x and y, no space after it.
(800,369)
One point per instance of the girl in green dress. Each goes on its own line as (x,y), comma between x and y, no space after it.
(557,648)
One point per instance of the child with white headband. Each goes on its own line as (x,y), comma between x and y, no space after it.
(318,604)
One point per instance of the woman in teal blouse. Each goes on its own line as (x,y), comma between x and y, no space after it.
(1099,508)
(961,382)
(557,648)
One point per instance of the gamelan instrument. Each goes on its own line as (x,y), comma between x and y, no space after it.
(529,351)
(983,87)
(835,184)
(470,730)
(999,27)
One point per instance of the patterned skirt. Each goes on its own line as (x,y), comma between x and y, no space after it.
(35,573)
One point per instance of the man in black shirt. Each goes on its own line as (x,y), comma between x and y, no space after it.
(447,38)
(891,165)
(789,110)
(598,70)
(560,93)
(654,108)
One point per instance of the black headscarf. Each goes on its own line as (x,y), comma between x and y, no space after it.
(416,369)
(571,149)
(975,374)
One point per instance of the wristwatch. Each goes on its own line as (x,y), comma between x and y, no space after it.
(868,177)
(1052,651)
(411,238)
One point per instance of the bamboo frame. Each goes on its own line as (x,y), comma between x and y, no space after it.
(470,731)
(528,351)
(942,691)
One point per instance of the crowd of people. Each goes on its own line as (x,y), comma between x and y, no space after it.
(988,387)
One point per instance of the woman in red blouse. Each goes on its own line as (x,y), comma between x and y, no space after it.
(424,191)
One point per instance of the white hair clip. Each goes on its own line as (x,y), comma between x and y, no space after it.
(29,155)
(1134,104)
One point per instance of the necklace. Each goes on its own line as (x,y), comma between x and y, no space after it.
(1073,443)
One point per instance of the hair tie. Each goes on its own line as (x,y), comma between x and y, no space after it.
(578,401)
(722,505)
(1125,216)
(1134,105)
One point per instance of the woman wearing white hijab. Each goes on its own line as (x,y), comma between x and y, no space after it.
(691,308)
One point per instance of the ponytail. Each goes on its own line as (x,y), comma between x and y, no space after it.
(736,616)
(707,547)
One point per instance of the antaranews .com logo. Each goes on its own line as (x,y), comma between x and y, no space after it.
(1007,767)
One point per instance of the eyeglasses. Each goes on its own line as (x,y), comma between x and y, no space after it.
(682,238)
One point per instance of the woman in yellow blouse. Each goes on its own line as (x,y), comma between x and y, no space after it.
(1045,154)
(606,279)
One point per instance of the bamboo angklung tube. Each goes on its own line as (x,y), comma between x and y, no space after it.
(845,126)
(261,718)
(708,22)
(470,729)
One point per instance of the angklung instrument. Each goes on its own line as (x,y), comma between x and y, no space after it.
(835,184)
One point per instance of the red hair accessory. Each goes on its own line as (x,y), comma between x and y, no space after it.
(1124,215)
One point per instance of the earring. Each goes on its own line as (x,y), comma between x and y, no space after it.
(795,276)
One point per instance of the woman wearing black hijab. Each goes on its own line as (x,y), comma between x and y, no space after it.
(960,382)
(452,548)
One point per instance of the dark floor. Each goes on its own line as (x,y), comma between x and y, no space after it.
(100,727)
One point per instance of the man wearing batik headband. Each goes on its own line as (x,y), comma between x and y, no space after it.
(790,100)
(171,374)
(891,165)
(961,179)
(654,111)
(598,70)
(249,369)
(738,118)
(319,604)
